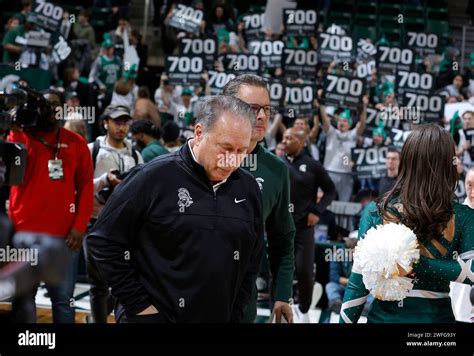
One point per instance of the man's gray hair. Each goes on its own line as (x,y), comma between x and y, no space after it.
(233,86)
(212,108)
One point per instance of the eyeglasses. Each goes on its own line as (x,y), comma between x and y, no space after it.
(269,111)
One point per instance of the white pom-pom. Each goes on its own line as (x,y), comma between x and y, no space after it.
(378,256)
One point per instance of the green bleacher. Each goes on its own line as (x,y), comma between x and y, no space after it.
(100,18)
(374,19)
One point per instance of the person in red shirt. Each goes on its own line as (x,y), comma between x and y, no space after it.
(55,198)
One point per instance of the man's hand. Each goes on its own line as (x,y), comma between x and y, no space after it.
(380,106)
(282,308)
(149,310)
(74,239)
(112,178)
(365,100)
(313,219)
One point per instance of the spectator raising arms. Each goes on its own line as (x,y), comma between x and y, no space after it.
(339,142)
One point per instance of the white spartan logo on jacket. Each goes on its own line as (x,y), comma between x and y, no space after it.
(184,199)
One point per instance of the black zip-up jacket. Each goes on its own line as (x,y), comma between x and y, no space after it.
(165,238)
(306,176)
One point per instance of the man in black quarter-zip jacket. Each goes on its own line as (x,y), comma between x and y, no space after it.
(306,176)
(180,239)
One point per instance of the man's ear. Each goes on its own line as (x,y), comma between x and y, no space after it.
(198,132)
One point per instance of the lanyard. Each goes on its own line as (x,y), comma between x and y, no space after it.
(56,147)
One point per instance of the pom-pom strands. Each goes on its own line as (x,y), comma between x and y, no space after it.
(380,256)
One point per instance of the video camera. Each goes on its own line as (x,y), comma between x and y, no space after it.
(24,108)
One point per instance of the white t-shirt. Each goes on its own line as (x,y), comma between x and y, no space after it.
(466,158)
(338,150)
(174,97)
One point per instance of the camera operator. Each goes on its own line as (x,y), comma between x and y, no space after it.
(55,198)
(112,156)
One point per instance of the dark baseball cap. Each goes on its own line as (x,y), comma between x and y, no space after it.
(114,112)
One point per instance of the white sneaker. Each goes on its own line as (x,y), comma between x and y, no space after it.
(318,291)
(261,284)
(300,317)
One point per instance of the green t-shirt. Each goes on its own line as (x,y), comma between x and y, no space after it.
(9,38)
(152,150)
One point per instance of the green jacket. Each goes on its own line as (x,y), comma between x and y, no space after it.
(152,150)
(273,179)
(429,301)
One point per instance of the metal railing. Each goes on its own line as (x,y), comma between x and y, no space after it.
(345,212)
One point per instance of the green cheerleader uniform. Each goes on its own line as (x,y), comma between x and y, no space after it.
(428,301)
